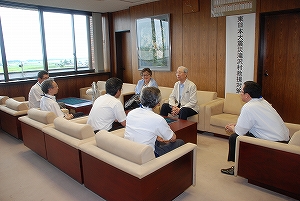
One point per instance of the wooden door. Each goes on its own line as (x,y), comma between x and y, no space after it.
(123,56)
(280,63)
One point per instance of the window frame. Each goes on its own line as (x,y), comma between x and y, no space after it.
(42,9)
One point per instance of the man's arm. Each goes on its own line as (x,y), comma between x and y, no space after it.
(123,123)
(192,96)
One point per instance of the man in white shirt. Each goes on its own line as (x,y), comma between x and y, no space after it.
(146,127)
(183,99)
(257,119)
(35,93)
(108,109)
(48,100)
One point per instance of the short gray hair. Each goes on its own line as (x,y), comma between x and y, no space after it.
(46,85)
(150,97)
(185,70)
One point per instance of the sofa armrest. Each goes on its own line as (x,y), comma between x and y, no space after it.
(125,96)
(201,114)
(274,147)
(272,165)
(213,108)
(83,93)
(292,128)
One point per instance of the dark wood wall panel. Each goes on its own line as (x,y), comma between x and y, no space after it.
(68,85)
(198,40)
(221,56)
(174,8)
(122,20)
(278,5)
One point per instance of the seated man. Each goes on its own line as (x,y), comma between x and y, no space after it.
(108,108)
(257,119)
(48,100)
(146,127)
(183,99)
(35,93)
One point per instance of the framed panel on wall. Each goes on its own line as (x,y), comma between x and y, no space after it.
(153,43)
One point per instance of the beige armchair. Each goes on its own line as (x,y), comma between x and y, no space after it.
(87,93)
(222,112)
(271,165)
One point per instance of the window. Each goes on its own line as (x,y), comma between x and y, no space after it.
(22,41)
(38,38)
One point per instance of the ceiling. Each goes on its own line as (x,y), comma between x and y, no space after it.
(101,6)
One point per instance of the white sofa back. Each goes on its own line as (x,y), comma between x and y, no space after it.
(126,149)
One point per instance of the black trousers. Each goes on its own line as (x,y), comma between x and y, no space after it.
(232,145)
(184,112)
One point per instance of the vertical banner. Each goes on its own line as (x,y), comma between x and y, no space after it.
(240,36)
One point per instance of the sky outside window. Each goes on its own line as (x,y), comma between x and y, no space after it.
(22,40)
(59,43)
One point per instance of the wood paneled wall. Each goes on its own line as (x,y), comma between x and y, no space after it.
(198,41)
(68,85)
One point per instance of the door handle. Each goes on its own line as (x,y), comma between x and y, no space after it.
(266,73)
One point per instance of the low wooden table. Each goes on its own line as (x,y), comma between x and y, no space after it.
(185,130)
(77,105)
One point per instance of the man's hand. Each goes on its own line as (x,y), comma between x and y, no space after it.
(175,110)
(229,128)
(69,116)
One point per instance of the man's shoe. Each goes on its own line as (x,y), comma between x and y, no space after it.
(229,171)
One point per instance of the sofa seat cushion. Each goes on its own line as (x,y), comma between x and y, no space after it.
(45,117)
(126,149)
(223,119)
(16,105)
(73,129)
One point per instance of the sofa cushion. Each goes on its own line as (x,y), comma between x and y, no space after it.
(73,129)
(45,117)
(3,99)
(126,149)
(233,104)
(205,96)
(16,105)
(222,120)
(295,140)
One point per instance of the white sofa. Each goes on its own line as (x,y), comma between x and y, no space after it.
(32,125)
(131,172)
(10,112)
(62,144)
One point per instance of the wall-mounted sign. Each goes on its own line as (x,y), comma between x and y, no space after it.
(232,7)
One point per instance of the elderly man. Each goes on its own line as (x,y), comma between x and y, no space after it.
(257,119)
(35,93)
(183,99)
(146,127)
(48,100)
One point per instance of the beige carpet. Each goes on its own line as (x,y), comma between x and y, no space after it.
(25,176)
